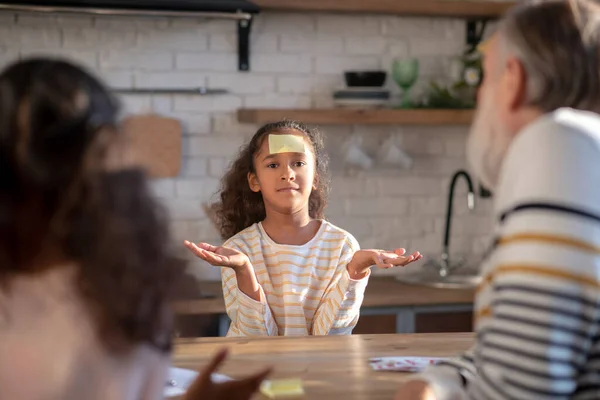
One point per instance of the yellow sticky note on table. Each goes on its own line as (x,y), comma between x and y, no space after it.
(282,388)
(286,144)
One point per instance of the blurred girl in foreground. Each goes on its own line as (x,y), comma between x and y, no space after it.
(86,262)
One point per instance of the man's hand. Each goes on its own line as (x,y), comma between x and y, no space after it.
(415,390)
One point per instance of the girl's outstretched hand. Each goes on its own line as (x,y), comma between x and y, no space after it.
(219,256)
(204,388)
(390,259)
(363,260)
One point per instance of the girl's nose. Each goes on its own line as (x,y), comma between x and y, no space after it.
(288,174)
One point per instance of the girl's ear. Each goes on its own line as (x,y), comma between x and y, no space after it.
(253,182)
(315,182)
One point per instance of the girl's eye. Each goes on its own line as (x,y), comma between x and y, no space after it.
(272,166)
(299,164)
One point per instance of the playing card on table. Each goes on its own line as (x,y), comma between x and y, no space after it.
(180,379)
(403,364)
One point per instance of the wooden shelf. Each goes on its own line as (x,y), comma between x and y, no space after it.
(346,116)
(435,8)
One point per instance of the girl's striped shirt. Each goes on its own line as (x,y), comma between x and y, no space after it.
(537,312)
(307,289)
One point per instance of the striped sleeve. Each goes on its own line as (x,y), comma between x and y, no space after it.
(340,307)
(248,316)
(537,310)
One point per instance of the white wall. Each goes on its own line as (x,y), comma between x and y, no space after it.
(297,59)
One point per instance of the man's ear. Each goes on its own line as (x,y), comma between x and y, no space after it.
(514,86)
(253,182)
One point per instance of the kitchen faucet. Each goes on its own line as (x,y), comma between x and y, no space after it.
(445,265)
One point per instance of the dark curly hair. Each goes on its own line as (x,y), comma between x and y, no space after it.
(61,204)
(239,207)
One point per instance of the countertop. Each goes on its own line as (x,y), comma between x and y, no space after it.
(381,292)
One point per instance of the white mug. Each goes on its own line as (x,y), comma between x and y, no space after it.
(391,155)
(355,156)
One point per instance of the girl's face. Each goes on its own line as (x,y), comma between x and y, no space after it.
(285,179)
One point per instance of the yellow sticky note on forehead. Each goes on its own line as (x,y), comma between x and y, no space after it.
(286,144)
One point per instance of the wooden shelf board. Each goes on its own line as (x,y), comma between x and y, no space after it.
(346,116)
(437,8)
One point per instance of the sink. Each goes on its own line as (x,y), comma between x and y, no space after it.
(444,271)
(459,275)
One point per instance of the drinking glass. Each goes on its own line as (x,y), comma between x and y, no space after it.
(405,73)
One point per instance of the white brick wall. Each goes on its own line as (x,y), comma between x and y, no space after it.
(297,60)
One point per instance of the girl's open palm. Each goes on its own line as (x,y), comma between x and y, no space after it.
(397,258)
(218,256)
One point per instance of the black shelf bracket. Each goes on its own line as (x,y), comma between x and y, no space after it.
(244,27)
(475,32)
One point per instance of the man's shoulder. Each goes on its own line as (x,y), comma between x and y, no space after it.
(583,123)
(554,161)
(564,127)
(559,144)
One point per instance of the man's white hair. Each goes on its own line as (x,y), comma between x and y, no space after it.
(560,59)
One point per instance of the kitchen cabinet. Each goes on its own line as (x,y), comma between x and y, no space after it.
(389,306)
(424,322)
(456,318)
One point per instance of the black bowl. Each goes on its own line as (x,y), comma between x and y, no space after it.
(365,78)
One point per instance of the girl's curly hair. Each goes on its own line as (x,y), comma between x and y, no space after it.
(61,205)
(239,207)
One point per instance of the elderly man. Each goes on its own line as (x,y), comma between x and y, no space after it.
(536,142)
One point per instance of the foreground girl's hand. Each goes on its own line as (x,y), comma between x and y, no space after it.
(219,256)
(204,388)
(364,259)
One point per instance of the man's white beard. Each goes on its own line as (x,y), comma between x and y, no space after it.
(488,142)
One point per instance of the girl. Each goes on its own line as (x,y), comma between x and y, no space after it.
(288,271)
(86,261)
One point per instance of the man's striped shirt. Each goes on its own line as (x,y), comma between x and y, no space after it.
(537,311)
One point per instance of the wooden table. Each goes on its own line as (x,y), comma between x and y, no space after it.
(332,367)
